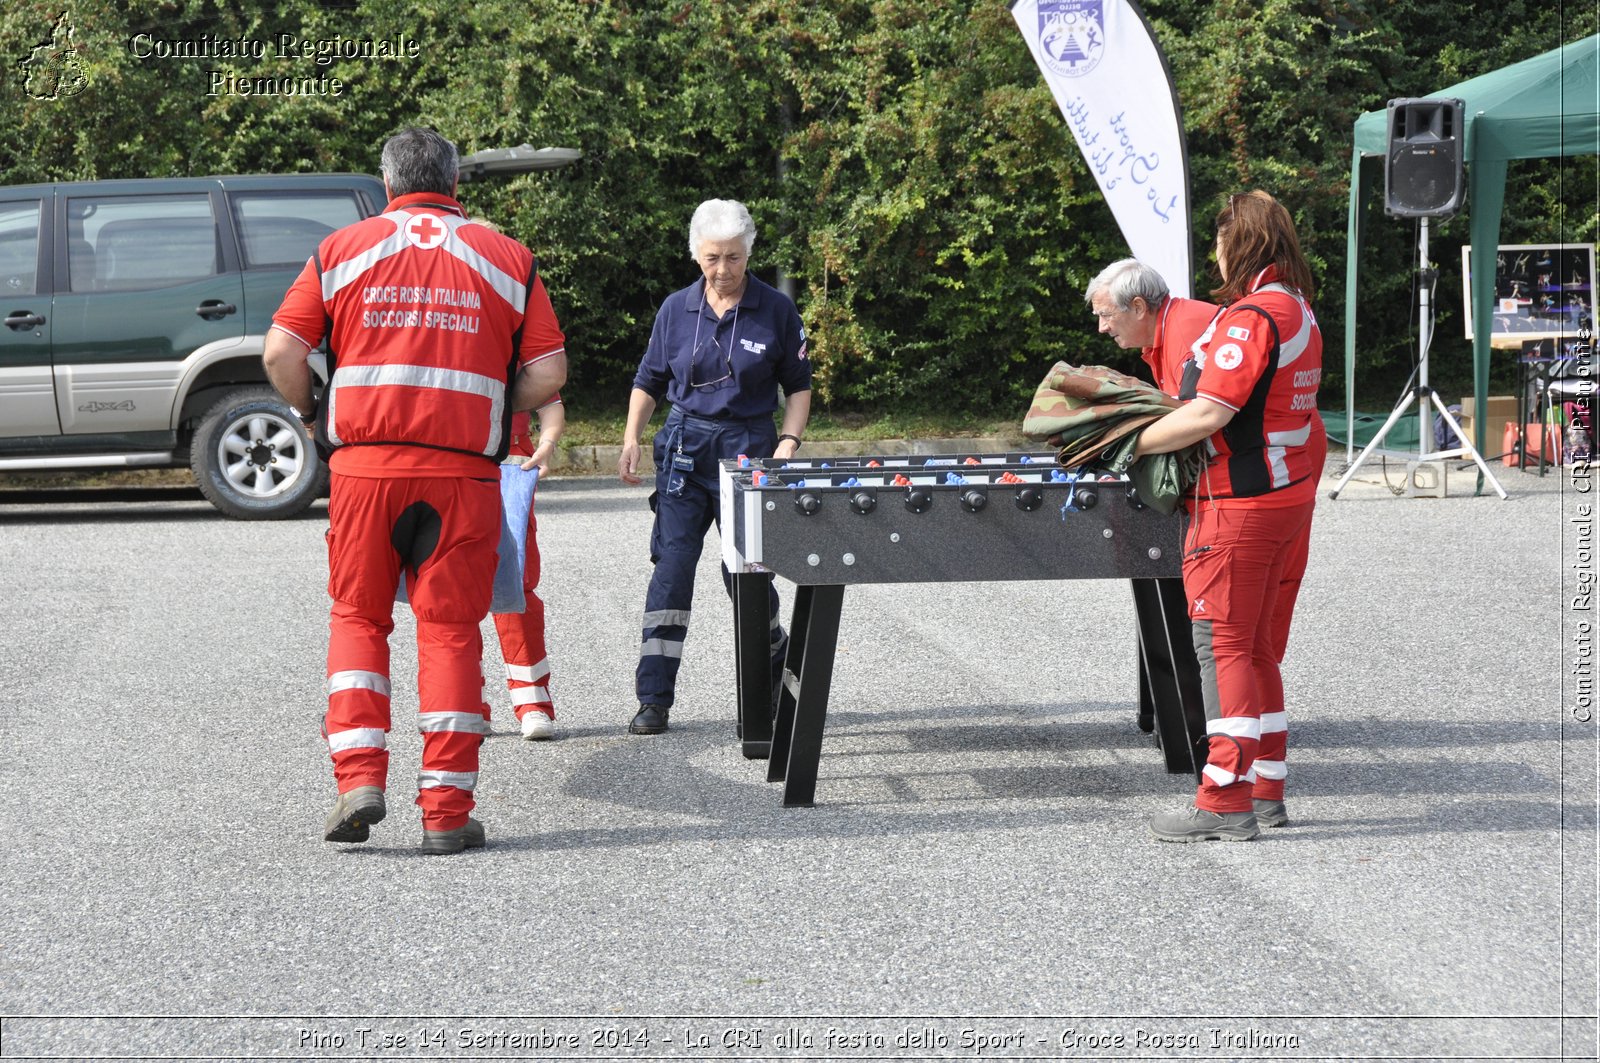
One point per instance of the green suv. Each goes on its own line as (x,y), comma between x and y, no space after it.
(134,318)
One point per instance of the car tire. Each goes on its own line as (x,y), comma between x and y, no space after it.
(253,459)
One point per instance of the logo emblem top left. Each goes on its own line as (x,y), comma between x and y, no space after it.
(53,69)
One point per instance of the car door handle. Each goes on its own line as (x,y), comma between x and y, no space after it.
(215,309)
(21,320)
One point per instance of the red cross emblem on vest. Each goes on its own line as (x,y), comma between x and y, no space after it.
(425,232)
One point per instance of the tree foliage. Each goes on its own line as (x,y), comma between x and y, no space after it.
(907,167)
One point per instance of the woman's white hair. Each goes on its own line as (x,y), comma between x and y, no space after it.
(721,219)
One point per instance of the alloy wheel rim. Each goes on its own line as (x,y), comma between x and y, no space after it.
(261,455)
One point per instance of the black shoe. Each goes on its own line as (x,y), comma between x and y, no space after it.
(439,842)
(1271,813)
(650,720)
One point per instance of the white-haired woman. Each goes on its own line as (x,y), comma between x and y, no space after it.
(720,350)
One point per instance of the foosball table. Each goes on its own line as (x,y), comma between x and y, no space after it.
(829,523)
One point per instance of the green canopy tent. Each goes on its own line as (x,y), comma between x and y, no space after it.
(1544,107)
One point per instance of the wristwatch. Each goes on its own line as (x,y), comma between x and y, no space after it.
(308,418)
(795,439)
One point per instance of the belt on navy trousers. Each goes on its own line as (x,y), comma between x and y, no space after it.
(759,419)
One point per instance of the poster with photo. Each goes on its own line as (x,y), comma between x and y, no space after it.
(1541,291)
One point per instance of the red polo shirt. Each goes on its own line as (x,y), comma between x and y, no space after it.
(1179,323)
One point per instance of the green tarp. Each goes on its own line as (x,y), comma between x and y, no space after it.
(1356,428)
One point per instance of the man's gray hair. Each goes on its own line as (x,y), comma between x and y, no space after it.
(1125,280)
(419,160)
(721,219)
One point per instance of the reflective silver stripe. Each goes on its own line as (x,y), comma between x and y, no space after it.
(531,696)
(1295,437)
(774,624)
(350,271)
(1277,449)
(667,618)
(461,780)
(358,680)
(1237,726)
(1270,769)
(660,648)
(1280,467)
(468,722)
(1198,347)
(511,289)
(1224,777)
(357,738)
(1294,346)
(1273,722)
(418,376)
(524,674)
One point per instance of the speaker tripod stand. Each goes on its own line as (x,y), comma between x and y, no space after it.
(1422,394)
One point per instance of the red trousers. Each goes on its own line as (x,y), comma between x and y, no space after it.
(1242,570)
(522,640)
(443,532)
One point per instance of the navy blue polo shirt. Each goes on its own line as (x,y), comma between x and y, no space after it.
(727,368)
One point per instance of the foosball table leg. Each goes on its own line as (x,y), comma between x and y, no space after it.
(752,636)
(783,710)
(803,711)
(1147,696)
(1169,673)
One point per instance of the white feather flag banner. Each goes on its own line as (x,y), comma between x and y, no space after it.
(1111,81)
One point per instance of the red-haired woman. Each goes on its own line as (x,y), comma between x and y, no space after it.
(1252,392)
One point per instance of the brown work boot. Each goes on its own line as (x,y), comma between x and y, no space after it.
(353,813)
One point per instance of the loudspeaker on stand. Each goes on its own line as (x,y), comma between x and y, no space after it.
(1422,170)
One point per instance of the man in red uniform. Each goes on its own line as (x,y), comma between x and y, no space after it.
(1136,309)
(437,330)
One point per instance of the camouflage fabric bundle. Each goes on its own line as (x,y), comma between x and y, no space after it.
(1093,415)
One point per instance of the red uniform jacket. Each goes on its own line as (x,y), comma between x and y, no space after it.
(431,316)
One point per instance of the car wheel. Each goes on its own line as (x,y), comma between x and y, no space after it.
(253,459)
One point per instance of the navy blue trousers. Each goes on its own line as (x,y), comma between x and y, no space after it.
(686,502)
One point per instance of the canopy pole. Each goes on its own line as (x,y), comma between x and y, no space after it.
(1351,269)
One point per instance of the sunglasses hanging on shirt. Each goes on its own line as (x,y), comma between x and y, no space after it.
(712,353)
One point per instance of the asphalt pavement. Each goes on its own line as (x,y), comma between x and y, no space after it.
(975,880)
